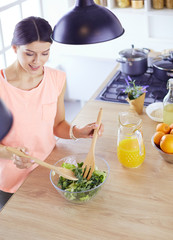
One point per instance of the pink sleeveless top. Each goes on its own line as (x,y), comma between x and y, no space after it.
(34,113)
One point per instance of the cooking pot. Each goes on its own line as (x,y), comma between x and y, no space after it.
(163,68)
(134,61)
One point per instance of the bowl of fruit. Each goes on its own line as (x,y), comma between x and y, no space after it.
(162,140)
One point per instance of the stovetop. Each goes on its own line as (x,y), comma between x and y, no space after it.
(113,92)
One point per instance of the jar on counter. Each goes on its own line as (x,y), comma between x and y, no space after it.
(158,4)
(103,3)
(169,4)
(123,3)
(137,4)
(97,2)
(168,104)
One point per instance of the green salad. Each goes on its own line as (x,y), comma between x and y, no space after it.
(78,191)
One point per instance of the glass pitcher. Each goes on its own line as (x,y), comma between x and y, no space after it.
(130,145)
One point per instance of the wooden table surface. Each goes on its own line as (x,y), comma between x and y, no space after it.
(134,204)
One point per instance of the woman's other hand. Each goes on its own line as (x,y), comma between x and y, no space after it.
(22,162)
(88,130)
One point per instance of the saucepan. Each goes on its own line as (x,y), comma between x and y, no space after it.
(134,61)
(163,67)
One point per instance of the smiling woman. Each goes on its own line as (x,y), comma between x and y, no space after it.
(31,42)
(31,58)
(35,95)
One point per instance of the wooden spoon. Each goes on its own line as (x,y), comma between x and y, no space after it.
(66,173)
(89,163)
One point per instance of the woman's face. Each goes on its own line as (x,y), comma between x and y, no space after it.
(33,56)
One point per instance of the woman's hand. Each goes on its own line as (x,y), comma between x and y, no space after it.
(22,162)
(88,130)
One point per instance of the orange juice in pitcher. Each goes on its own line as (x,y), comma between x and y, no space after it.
(130,145)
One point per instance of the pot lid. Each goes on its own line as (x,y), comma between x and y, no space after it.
(133,53)
(166,65)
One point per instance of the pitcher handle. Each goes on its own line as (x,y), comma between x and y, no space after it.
(140,141)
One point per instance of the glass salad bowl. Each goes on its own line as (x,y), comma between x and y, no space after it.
(83,190)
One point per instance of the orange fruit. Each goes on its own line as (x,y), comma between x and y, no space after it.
(171,126)
(163,127)
(171,132)
(157,137)
(166,143)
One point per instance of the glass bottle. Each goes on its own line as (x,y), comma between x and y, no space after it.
(168,104)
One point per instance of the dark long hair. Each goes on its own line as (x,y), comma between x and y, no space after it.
(32,29)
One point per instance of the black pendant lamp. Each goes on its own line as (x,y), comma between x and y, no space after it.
(87,23)
(6,120)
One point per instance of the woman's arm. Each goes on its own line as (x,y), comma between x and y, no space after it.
(62,127)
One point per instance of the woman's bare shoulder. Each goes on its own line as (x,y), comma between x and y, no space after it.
(10,72)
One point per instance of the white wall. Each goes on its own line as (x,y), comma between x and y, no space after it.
(84,74)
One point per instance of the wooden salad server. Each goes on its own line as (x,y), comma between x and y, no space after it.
(89,163)
(66,173)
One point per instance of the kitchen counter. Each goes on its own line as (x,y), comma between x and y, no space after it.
(134,204)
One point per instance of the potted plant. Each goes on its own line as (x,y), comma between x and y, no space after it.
(135,95)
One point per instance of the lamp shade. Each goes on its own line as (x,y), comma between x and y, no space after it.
(6,120)
(87,23)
